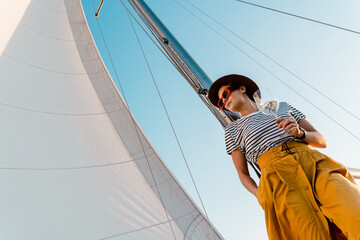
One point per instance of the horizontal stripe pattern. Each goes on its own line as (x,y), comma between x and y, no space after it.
(257,132)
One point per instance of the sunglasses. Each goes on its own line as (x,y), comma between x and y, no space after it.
(225,95)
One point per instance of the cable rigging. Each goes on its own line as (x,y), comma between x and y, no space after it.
(264,54)
(134,124)
(301,17)
(157,38)
(165,109)
(177,67)
(182,67)
(283,82)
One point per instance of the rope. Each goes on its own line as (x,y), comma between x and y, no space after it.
(152,174)
(58,113)
(276,77)
(168,116)
(68,168)
(168,55)
(268,57)
(48,70)
(133,120)
(304,18)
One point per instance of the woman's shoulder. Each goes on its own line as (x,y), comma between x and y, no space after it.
(231,125)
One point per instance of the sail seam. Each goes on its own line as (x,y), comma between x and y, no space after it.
(60,114)
(52,37)
(48,70)
(187,230)
(54,9)
(154,225)
(74,168)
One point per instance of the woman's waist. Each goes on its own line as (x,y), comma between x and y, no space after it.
(279,151)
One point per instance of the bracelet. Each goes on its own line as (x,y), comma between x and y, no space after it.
(303,136)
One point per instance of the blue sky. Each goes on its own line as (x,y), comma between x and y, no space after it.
(326,58)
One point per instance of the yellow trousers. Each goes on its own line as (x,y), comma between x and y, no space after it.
(302,191)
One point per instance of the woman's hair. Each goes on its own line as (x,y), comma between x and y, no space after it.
(237,86)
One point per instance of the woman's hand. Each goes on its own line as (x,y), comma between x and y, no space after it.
(312,136)
(243,171)
(290,125)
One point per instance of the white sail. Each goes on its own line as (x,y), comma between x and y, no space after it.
(74,163)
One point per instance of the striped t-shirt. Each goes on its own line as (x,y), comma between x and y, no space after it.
(256,133)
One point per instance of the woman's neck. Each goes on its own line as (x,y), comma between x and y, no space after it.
(248,107)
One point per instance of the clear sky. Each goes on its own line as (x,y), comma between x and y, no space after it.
(326,58)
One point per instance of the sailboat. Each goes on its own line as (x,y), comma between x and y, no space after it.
(76,164)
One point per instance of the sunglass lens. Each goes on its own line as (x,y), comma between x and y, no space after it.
(221,104)
(225,93)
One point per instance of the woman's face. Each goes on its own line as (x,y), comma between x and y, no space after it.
(231,98)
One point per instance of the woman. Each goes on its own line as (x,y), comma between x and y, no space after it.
(301,190)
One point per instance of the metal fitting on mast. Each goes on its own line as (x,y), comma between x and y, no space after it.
(164,40)
(202,91)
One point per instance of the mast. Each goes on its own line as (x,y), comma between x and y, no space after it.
(187,66)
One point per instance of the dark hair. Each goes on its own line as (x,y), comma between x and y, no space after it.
(237,86)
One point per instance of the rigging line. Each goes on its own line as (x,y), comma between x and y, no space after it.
(136,129)
(179,68)
(171,60)
(304,18)
(143,228)
(170,122)
(54,9)
(272,74)
(267,56)
(60,114)
(160,42)
(167,215)
(46,69)
(175,64)
(69,168)
(167,114)
(168,55)
(156,184)
(53,37)
(133,120)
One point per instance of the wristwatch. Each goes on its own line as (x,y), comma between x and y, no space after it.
(303,136)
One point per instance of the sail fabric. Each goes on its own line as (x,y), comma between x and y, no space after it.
(74,163)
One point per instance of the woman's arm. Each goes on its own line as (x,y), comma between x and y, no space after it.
(243,171)
(312,136)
